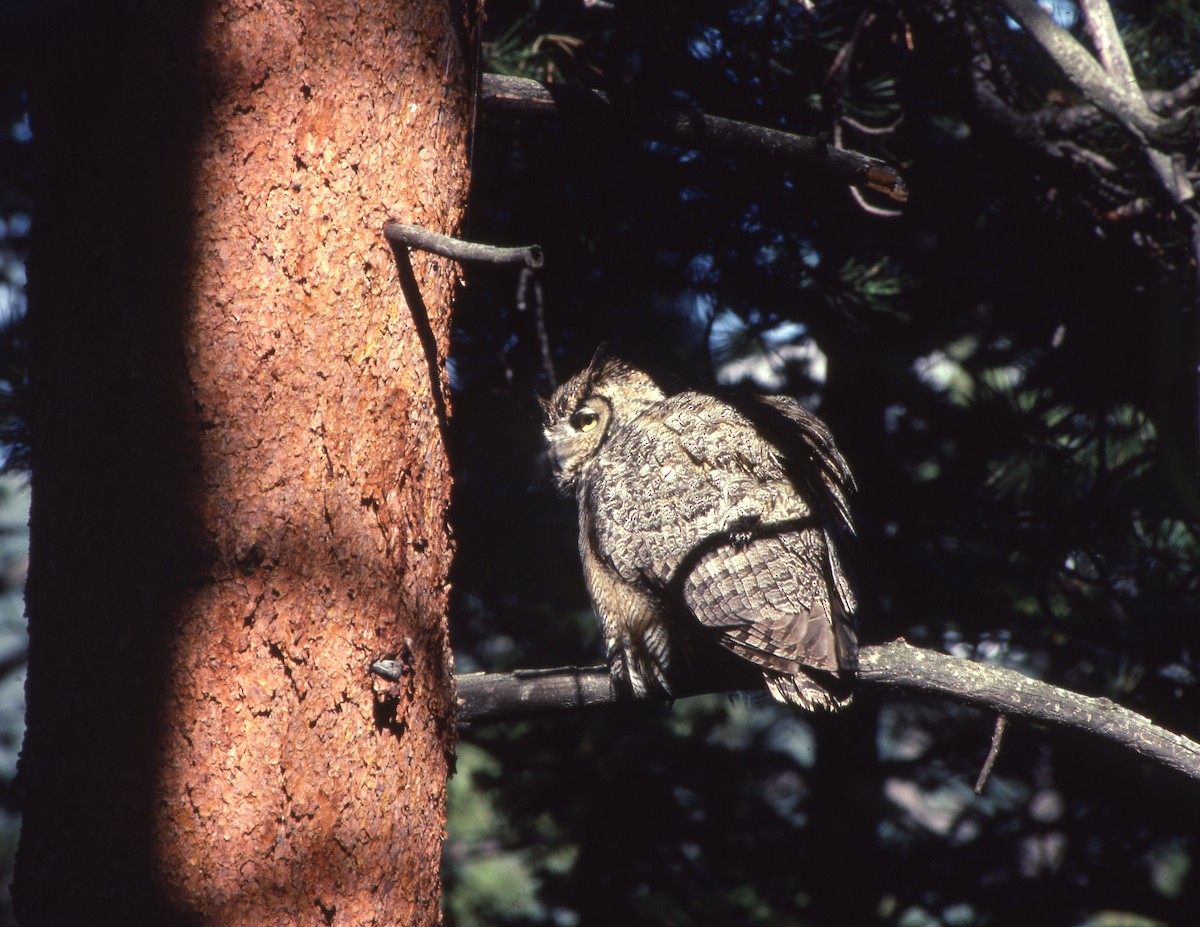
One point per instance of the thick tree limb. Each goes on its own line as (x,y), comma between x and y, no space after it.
(516,97)
(485,698)
(1069,120)
(1102,29)
(1110,84)
(1124,103)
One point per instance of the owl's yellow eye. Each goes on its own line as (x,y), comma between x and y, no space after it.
(584,420)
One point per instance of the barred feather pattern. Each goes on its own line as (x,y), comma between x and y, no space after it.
(709,525)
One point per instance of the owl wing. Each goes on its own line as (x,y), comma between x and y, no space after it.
(694,499)
(815,465)
(770,602)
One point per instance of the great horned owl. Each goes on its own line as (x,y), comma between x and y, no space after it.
(709,531)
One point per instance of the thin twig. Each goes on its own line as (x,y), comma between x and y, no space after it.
(856,194)
(414,237)
(526,282)
(424,328)
(865,129)
(882,211)
(993,752)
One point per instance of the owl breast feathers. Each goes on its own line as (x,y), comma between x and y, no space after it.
(709,530)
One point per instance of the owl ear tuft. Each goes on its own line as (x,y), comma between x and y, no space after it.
(600,360)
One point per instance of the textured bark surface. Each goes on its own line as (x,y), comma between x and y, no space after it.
(239,479)
(487,698)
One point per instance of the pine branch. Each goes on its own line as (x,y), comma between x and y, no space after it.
(519,98)
(1123,102)
(488,698)
(1110,84)
(1069,120)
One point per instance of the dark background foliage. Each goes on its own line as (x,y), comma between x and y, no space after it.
(1009,365)
(1006,365)
(15,227)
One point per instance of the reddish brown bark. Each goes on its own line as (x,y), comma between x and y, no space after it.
(240,484)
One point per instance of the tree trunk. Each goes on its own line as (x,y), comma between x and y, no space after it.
(239,479)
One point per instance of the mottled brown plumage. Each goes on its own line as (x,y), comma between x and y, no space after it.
(708,526)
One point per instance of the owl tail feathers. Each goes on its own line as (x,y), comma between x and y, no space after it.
(830,693)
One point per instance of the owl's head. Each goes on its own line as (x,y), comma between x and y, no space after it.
(589,408)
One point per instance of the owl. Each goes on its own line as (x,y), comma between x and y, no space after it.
(710,530)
